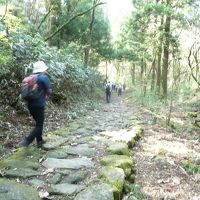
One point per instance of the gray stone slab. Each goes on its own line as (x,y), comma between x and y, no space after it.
(54,141)
(77,176)
(37,183)
(21,173)
(82,150)
(75,163)
(65,188)
(127,136)
(96,192)
(58,153)
(54,179)
(10,190)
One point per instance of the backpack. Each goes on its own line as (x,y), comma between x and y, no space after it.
(107,88)
(30,87)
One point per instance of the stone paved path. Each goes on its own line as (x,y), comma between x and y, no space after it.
(89,159)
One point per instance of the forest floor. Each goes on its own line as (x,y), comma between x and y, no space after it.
(167,162)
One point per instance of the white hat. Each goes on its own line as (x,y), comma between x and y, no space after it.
(39,66)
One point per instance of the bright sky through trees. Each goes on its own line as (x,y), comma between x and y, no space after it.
(117,11)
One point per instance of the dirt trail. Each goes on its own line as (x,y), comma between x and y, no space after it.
(158,157)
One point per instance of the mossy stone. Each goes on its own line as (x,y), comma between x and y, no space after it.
(121,161)
(119,148)
(113,176)
(23,158)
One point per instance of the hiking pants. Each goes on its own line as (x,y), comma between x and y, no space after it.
(38,115)
(108,96)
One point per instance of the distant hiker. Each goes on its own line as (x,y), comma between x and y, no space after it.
(108,92)
(124,87)
(119,90)
(116,87)
(35,96)
(113,87)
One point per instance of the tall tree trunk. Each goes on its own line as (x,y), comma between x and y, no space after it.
(166,53)
(133,73)
(88,48)
(106,70)
(159,56)
(6,8)
(153,75)
(53,23)
(142,70)
(144,79)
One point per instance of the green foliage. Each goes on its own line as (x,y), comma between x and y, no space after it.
(26,47)
(68,74)
(79,29)
(70,79)
(190,167)
(149,100)
(5,51)
(136,192)
(192,114)
(20,46)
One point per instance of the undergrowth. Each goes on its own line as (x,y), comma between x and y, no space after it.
(182,104)
(136,192)
(190,167)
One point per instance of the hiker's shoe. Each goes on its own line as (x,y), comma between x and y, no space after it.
(23,143)
(40,144)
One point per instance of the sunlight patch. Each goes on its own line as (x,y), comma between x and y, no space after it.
(122,135)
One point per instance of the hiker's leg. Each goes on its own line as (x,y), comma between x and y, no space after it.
(107,98)
(38,115)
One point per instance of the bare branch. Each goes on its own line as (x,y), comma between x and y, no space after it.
(71,19)
(190,65)
(196,57)
(44,18)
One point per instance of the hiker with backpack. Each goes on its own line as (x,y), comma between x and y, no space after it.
(108,92)
(119,90)
(35,89)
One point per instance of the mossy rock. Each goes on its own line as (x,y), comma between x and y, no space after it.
(114,176)
(23,158)
(61,132)
(136,137)
(54,141)
(121,161)
(119,148)
(10,190)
